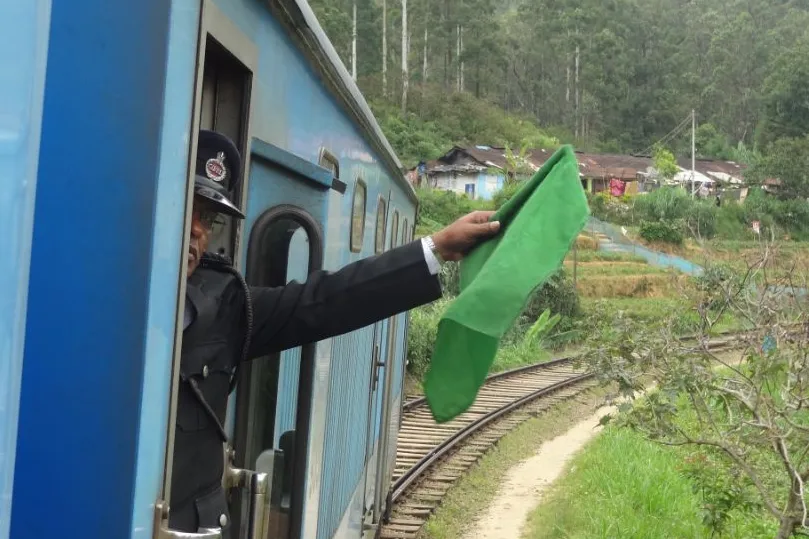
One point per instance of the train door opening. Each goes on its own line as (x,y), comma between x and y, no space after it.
(285,244)
(226,62)
(225,108)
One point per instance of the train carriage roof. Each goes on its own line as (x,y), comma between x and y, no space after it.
(300,21)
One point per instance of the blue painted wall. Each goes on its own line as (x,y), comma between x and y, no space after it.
(90,270)
(24,28)
(484,191)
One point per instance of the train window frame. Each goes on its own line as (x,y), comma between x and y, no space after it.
(257,266)
(394,230)
(357,230)
(381,219)
(405,233)
(329,161)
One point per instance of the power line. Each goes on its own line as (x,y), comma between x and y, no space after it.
(670,135)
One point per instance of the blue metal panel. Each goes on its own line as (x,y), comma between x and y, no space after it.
(271,186)
(90,269)
(166,261)
(24,30)
(291,162)
(290,362)
(344,454)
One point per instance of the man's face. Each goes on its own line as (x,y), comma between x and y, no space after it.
(202,220)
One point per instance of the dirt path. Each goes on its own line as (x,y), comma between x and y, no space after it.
(525,484)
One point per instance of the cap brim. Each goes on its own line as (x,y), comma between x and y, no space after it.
(217,199)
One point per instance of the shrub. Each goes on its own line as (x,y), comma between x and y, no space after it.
(700,219)
(421,336)
(618,210)
(661,231)
(666,203)
(559,296)
(731,222)
(503,195)
(450,278)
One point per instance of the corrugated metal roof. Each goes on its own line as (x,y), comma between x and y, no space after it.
(591,165)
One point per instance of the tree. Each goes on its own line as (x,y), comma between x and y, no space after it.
(744,411)
(405,47)
(665,163)
(786,108)
(615,75)
(786,160)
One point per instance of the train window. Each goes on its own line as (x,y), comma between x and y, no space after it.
(358,216)
(394,231)
(381,215)
(405,232)
(329,162)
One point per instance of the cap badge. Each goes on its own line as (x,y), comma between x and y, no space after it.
(215,167)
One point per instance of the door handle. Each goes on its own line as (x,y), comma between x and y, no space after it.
(257,485)
(162,531)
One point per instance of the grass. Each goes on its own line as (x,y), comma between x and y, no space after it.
(472,493)
(605,269)
(516,355)
(619,486)
(622,485)
(643,285)
(650,309)
(606,256)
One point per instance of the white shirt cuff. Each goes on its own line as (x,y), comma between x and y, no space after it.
(433,265)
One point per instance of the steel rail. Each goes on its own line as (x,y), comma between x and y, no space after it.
(407,479)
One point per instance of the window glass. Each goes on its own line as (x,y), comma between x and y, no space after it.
(394,231)
(381,215)
(358,217)
(405,232)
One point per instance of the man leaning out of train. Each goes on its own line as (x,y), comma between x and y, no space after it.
(227,322)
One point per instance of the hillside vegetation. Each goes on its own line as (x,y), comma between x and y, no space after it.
(613,76)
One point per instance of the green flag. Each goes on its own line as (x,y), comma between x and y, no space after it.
(538,226)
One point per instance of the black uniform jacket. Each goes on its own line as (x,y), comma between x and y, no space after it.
(327,304)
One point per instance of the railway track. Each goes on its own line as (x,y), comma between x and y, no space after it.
(431,457)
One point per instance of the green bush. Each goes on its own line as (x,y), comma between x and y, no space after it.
(441,208)
(450,278)
(731,222)
(661,231)
(617,210)
(557,295)
(664,204)
(421,336)
(503,195)
(700,219)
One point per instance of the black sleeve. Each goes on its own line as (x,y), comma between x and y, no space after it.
(330,304)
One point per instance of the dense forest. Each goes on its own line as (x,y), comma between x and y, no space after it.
(607,75)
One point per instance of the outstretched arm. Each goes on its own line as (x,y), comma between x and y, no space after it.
(368,290)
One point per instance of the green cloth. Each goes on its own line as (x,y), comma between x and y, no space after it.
(538,226)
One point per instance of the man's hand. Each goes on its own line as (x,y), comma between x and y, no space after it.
(454,241)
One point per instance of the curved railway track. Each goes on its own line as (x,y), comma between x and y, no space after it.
(431,457)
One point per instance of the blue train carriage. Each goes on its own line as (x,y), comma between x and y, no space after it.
(97,397)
